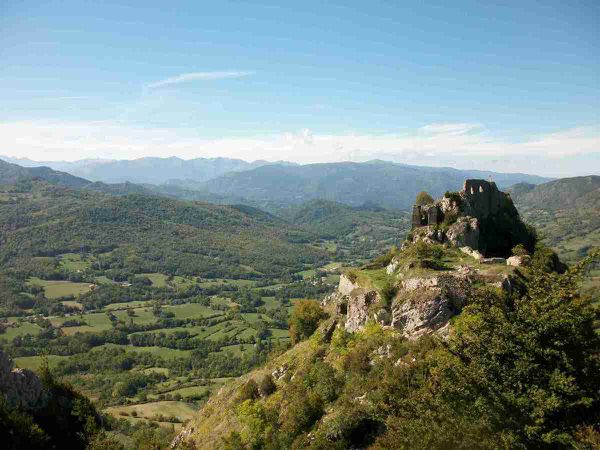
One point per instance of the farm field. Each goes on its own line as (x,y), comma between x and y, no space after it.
(59,289)
(35,362)
(182,410)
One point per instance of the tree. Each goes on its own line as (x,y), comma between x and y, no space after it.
(423,198)
(305,319)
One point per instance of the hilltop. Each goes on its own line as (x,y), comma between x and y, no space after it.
(459,354)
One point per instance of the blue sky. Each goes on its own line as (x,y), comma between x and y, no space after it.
(466,84)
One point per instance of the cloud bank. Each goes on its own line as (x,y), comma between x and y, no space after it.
(570,152)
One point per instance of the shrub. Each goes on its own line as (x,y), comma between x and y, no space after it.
(305,319)
(388,291)
(267,386)
(454,197)
(423,198)
(520,250)
(249,391)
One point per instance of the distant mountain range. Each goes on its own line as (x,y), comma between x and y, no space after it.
(387,184)
(273,186)
(12,173)
(145,170)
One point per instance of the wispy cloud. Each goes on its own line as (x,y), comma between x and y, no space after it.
(66,97)
(568,152)
(450,128)
(199,76)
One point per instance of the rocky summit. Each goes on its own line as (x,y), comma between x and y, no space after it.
(456,242)
(480,216)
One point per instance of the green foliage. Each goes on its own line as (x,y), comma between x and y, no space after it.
(305,319)
(546,260)
(454,197)
(267,385)
(423,198)
(449,218)
(519,250)
(388,292)
(516,372)
(324,381)
(249,391)
(152,438)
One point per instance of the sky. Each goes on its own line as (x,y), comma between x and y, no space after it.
(505,86)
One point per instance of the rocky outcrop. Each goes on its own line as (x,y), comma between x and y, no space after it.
(354,303)
(421,306)
(464,232)
(359,303)
(21,387)
(480,217)
(425,305)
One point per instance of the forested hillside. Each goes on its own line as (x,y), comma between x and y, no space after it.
(565,213)
(359,233)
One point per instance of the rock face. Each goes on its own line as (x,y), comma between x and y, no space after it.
(21,387)
(480,217)
(421,306)
(464,233)
(425,305)
(358,308)
(354,303)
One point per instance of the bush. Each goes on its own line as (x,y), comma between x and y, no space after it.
(423,198)
(388,292)
(249,391)
(520,250)
(267,386)
(454,197)
(305,319)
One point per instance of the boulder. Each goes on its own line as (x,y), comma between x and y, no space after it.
(518,261)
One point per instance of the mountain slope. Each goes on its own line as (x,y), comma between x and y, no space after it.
(565,212)
(13,173)
(154,234)
(383,183)
(490,383)
(359,232)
